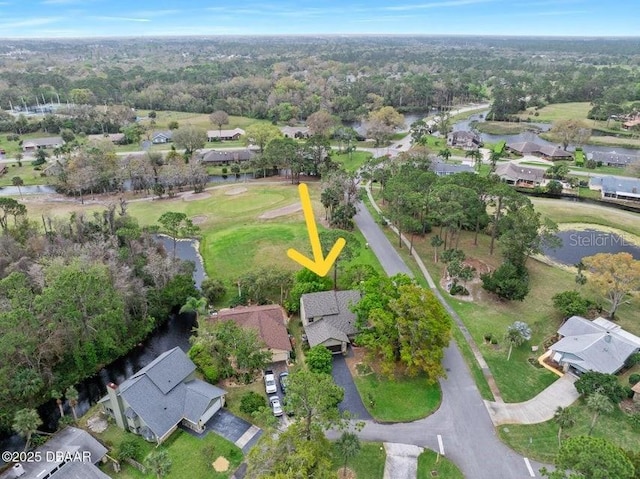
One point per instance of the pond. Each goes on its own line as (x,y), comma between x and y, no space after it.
(26,190)
(176,331)
(580,244)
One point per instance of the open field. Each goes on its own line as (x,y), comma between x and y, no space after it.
(351,162)
(500,127)
(26,172)
(558,111)
(201,120)
(429,461)
(367,464)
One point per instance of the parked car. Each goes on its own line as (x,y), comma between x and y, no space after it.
(270,385)
(284,378)
(275,406)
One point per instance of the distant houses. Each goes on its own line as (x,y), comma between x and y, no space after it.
(616,187)
(618,160)
(467,140)
(520,176)
(548,152)
(35,144)
(218,157)
(295,131)
(224,135)
(441,168)
(160,137)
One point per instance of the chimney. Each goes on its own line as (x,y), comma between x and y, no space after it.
(116,405)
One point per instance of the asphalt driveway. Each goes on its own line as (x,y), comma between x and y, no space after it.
(342,377)
(232,428)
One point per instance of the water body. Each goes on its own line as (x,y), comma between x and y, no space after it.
(580,244)
(174,332)
(27,190)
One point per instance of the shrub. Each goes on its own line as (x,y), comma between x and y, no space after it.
(508,282)
(632,360)
(205,363)
(129,449)
(319,359)
(606,384)
(571,303)
(487,337)
(458,289)
(252,402)
(494,341)
(634,379)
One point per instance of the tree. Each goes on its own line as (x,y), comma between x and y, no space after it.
(570,131)
(351,248)
(494,157)
(593,382)
(616,276)
(321,123)
(554,187)
(57,395)
(476,155)
(159,463)
(599,404)
(436,242)
(571,303)
(9,206)
(25,423)
(517,334)
(445,154)
(17,181)
(260,134)
(319,359)
(383,122)
(219,118)
(189,138)
(72,396)
(507,281)
(213,289)
(590,458)
(565,419)
(177,224)
(313,398)
(195,305)
(348,446)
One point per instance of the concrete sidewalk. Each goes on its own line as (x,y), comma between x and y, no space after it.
(538,409)
(402,461)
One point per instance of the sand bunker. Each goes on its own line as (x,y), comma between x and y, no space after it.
(285,210)
(221,464)
(195,196)
(235,191)
(198,220)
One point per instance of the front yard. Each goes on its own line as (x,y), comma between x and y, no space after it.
(367,464)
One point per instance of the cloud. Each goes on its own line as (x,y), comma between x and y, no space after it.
(439,4)
(120,19)
(29,22)
(63,2)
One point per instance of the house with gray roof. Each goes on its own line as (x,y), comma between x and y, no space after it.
(225,135)
(597,345)
(227,157)
(327,318)
(611,158)
(617,187)
(466,140)
(519,175)
(70,454)
(441,168)
(295,131)
(160,137)
(34,144)
(549,152)
(161,396)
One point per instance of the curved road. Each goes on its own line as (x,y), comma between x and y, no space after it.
(462,421)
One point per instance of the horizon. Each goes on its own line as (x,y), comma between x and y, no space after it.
(78,19)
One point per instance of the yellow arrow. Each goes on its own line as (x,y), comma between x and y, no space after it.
(319,265)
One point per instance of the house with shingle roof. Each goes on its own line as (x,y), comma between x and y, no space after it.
(549,152)
(328,320)
(218,157)
(269,321)
(161,396)
(295,131)
(34,144)
(160,137)
(69,454)
(597,345)
(617,187)
(225,135)
(466,140)
(521,176)
(441,168)
(611,158)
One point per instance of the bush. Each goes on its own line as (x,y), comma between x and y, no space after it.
(571,303)
(494,341)
(591,164)
(213,289)
(252,402)
(129,449)
(205,363)
(508,282)
(634,379)
(632,360)
(458,289)
(488,336)
(319,359)
(606,384)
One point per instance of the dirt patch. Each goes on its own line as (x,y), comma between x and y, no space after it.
(346,473)
(97,424)
(198,220)
(475,285)
(221,464)
(285,210)
(195,196)
(357,357)
(235,191)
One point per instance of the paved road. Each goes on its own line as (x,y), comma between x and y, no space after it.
(467,433)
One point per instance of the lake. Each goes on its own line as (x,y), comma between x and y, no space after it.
(580,244)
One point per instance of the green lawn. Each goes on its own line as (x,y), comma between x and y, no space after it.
(540,441)
(429,461)
(200,120)
(500,127)
(351,161)
(368,464)
(558,111)
(26,172)
(402,400)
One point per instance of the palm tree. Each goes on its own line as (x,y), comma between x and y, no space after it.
(25,423)
(57,395)
(517,334)
(599,404)
(436,242)
(17,181)
(195,305)
(348,447)
(565,419)
(159,463)
(476,155)
(72,395)
(493,158)
(446,154)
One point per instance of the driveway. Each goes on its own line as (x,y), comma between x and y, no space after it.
(232,428)
(342,377)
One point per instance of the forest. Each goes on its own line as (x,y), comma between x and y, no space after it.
(287,79)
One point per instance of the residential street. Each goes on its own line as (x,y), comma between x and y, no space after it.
(467,433)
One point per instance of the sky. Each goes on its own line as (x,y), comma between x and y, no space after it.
(100,18)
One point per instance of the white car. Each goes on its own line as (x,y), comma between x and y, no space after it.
(275,405)
(270,385)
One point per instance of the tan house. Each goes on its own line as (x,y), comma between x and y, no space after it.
(269,321)
(224,135)
(161,396)
(41,143)
(327,318)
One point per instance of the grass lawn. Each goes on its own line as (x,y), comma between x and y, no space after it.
(26,172)
(351,161)
(444,467)
(558,111)
(200,120)
(500,127)
(368,464)
(401,399)
(540,441)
